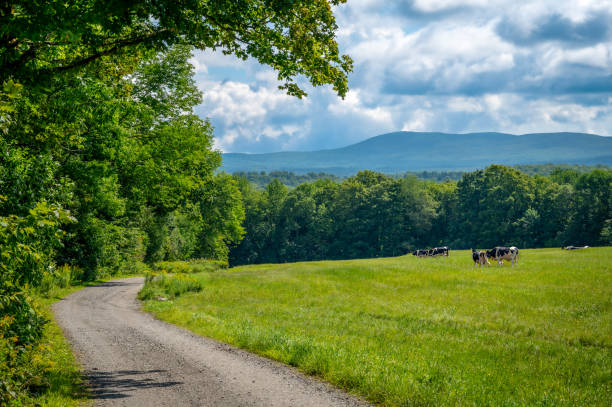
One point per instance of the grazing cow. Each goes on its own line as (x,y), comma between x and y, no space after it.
(439,251)
(420,253)
(480,258)
(501,253)
(575,247)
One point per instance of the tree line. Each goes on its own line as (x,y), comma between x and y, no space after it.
(372,214)
(260,179)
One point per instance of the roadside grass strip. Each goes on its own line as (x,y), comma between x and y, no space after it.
(55,376)
(428,332)
(66,386)
(57,379)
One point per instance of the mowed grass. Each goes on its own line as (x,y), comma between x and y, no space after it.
(405,331)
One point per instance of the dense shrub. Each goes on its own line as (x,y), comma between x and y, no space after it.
(55,278)
(21,328)
(27,247)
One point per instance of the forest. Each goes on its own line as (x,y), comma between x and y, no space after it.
(372,214)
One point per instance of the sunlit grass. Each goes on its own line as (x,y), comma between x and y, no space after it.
(172,286)
(406,331)
(62,383)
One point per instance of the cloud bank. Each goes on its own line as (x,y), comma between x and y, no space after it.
(428,65)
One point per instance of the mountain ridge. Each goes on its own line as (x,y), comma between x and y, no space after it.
(415,151)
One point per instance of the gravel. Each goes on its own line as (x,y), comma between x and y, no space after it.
(130,358)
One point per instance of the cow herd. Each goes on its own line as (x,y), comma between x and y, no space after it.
(436,251)
(480,257)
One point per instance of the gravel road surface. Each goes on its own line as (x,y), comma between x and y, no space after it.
(132,359)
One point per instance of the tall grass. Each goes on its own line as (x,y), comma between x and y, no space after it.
(168,286)
(191,266)
(59,278)
(406,331)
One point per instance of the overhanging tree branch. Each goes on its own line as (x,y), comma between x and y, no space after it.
(116,47)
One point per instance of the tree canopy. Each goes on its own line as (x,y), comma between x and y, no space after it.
(41,38)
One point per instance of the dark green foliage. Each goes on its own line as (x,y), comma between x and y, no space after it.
(550,169)
(490,202)
(220,203)
(591,208)
(365,216)
(27,247)
(371,214)
(261,179)
(43,39)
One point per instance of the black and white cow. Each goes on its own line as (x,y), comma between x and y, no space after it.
(480,258)
(439,251)
(420,253)
(501,253)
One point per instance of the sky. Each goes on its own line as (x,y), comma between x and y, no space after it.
(428,65)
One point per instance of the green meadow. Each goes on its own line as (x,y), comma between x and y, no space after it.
(423,332)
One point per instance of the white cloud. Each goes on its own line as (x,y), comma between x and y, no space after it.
(198,64)
(211,58)
(494,102)
(238,103)
(427,65)
(441,5)
(420,121)
(352,105)
(242,113)
(465,104)
(599,56)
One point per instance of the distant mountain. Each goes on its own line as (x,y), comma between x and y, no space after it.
(412,151)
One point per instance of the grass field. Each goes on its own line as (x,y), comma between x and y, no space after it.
(405,331)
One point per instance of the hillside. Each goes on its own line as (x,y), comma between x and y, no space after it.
(411,151)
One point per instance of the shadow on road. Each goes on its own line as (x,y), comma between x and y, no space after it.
(118,384)
(120,283)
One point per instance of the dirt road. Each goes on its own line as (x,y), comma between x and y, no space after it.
(132,359)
